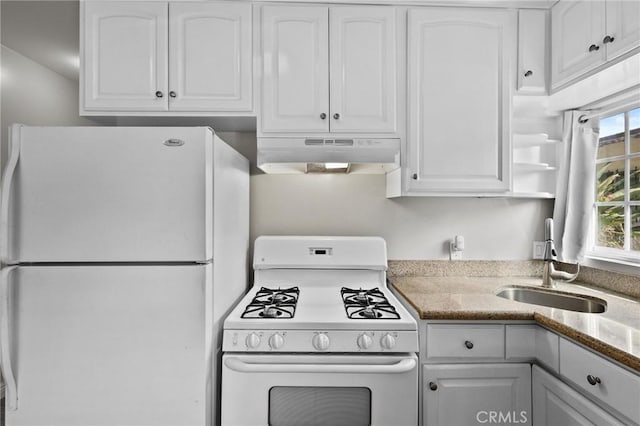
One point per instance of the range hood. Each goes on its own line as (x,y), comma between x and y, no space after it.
(347,155)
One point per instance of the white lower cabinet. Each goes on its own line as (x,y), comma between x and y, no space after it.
(472,394)
(556,404)
(477,373)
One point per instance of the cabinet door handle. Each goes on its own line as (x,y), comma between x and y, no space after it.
(159,94)
(608,39)
(468,344)
(336,116)
(594,48)
(529,73)
(433,386)
(593,380)
(414,176)
(173,94)
(323,116)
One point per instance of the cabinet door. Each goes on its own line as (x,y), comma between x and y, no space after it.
(556,404)
(459,89)
(577,29)
(471,394)
(210,56)
(532,51)
(125,56)
(623,25)
(295,85)
(363,69)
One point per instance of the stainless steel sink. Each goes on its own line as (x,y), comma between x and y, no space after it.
(554,299)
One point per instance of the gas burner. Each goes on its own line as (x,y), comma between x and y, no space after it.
(367,304)
(273,303)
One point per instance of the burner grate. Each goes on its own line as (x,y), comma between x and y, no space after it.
(273,303)
(367,304)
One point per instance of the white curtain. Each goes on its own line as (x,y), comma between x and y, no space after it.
(575,190)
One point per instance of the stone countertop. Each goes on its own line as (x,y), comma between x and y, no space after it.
(614,333)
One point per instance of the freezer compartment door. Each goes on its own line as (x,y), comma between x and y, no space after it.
(108,194)
(108,345)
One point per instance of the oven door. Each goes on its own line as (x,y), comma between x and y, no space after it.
(315,390)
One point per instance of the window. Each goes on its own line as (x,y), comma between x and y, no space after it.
(617,206)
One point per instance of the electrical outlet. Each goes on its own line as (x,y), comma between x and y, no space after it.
(455,253)
(538,249)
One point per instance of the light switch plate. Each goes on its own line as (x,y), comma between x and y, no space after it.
(538,249)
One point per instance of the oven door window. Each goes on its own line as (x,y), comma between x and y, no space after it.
(319,406)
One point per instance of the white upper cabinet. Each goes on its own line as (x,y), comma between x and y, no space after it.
(328,69)
(532,51)
(158,56)
(125,56)
(210,57)
(363,69)
(460,82)
(623,27)
(587,34)
(295,62)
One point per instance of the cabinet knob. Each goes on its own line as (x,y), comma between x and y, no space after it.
(159,94)
(414,176)
(323,116)
(468,344)
(528,73)
(594,48)
(336,116)
(173,94)
(593,380)
(608,39)
(433,386)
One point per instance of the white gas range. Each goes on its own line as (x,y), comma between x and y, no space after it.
(320,339)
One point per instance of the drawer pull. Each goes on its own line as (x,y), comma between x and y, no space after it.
(593,380)
(433,386)
(468,344)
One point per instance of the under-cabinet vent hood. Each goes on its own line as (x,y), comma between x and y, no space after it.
(328,155)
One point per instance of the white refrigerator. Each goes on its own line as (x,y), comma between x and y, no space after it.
(122,250)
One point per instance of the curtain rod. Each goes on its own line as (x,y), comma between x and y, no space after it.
(614,107)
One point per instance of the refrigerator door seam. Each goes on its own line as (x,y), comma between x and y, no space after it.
(11,394)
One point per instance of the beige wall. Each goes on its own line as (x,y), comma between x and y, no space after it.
(33,94)
(414,228)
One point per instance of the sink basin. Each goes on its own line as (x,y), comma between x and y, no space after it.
(554,299)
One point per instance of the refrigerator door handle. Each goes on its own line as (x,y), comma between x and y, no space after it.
(5,360)
(7,179)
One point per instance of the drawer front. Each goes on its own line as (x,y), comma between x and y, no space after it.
(613,385)
(466,341)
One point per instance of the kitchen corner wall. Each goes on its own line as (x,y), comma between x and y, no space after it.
(414,227)
(35,95)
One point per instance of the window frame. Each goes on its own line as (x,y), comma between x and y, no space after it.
(598,254)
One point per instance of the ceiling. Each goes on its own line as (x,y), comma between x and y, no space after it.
(44,31)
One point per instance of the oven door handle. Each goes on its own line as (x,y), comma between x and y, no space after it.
(402,366)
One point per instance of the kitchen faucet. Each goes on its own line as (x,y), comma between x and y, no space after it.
(550,273)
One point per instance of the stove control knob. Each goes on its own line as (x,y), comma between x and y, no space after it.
(276,341)
(364,341)
(321,342)
(252,341)
(388,341)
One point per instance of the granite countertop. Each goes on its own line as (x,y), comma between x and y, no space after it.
(614,333)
